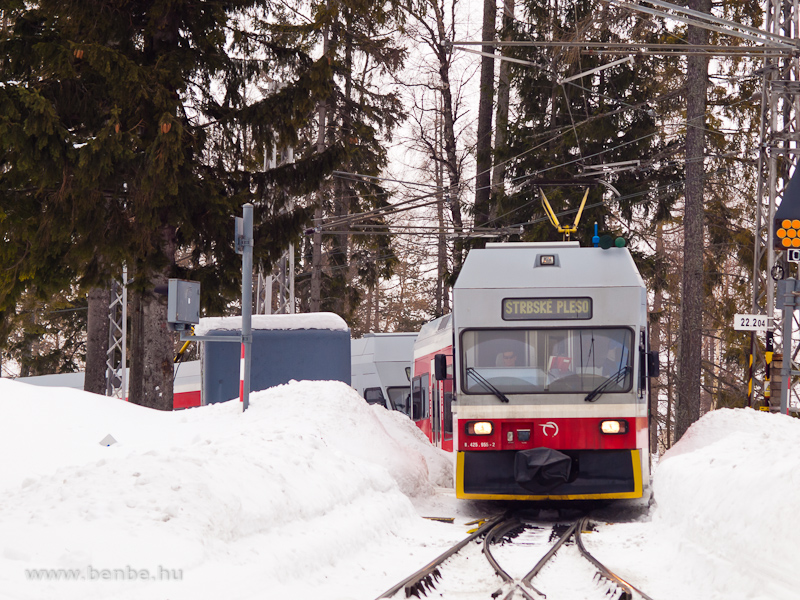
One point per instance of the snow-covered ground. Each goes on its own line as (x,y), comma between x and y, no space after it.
(312,493)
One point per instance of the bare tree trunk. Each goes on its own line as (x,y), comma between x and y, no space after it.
(708,390)
(688,385)
(501,118)
(368,310)
(315,302)
(343,272)
(484,135)
(655,342)
(441,244)
(26,369)
(339,251)
(136,348)
(97,341)
(444,54)
(151,342)
(376,326)
(669,422)
(157,372)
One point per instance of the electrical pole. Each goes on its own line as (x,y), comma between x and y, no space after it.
(780,109)
(117,354)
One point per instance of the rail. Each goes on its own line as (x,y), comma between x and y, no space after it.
(503,528)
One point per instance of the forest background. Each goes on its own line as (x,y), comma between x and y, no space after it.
(132,131)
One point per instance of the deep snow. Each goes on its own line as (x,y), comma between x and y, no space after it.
(312,493)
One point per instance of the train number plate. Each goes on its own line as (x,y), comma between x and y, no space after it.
(481,445)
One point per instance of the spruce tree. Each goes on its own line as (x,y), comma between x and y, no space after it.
(129,132)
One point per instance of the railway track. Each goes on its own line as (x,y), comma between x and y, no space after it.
(509,545)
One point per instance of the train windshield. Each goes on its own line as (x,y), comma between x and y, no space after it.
(536,361)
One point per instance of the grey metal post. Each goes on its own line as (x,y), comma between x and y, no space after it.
(786,365)
(247,301)
(124,358)
(290,159)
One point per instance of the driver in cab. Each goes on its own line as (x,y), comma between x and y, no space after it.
(507,359)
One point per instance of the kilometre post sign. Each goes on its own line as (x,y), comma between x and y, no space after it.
(750,322)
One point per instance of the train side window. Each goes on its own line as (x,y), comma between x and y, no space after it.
(448,416)
(419,397)
(374,396)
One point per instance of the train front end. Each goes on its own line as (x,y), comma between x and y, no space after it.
(551,363)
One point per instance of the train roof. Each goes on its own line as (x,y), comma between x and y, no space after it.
(383,347)
(432,328)
(516,265)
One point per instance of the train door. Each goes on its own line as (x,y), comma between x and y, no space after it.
(420,412)
(446,388)
(436,411)
(441,397)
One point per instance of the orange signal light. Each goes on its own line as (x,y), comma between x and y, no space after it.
(787,235)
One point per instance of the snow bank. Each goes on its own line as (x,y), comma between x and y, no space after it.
(321,320)
(729,491)
(237,504)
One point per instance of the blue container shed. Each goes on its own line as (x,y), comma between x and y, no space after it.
(310,346)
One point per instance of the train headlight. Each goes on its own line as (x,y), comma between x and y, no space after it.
(614,427)
(479,428)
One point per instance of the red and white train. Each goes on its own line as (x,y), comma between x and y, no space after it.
(546,366)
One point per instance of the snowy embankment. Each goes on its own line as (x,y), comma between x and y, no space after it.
(724,523)
(312,493)
(233,503)
(731,489)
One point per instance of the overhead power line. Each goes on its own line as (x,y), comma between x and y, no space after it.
(638,48)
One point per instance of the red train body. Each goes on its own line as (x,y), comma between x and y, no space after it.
(431,398)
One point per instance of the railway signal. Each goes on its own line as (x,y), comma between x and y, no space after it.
(787,219)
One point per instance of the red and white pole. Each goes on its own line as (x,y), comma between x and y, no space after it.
(241,376)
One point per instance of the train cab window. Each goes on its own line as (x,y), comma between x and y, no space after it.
(399,397)
(419,397)
(532,361)
(374,396)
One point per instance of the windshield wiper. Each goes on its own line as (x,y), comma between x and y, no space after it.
(485,383)
(616,378)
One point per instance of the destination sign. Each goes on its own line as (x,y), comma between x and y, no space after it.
(533,309)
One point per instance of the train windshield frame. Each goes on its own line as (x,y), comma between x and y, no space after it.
(569,360)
